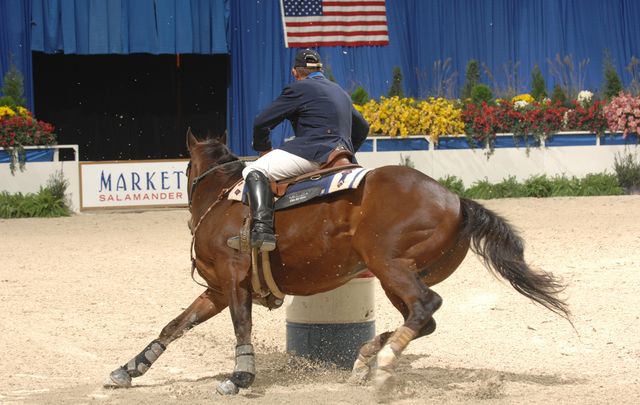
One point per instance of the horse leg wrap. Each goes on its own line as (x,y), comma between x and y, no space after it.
(245,370)
(388,356)
(143,361)
(362,365)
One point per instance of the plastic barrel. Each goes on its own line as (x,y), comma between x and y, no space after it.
(330,327)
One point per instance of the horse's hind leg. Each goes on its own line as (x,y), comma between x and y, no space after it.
(366,356)
(416,302)
(369,350)
(204,307)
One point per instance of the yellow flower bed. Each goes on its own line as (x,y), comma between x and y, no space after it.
(6,111)
(402,117)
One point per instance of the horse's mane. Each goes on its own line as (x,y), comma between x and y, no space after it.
(219,153)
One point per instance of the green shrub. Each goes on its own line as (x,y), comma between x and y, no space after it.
(508,188)
(481,92)
(559,95)
(453,183)
(538,86)
(359,96)
(627,169)
(471,78)
(600,184)
(562,186)
(12,88)
(406,161)
(396,83)
(50,201)
(481,189)
(612,83)
(538,186)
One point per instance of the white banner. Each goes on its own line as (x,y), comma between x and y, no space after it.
(133,184)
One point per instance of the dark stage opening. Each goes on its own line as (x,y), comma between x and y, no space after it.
(131,107)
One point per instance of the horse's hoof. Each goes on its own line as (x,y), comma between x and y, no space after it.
(359,376)
(119,378)
(227,387)
(384,382)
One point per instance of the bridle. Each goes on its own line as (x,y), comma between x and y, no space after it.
(192,188)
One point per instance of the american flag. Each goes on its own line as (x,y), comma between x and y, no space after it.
(313,23)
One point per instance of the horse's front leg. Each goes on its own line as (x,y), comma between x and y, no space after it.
(240,302)
(204,307)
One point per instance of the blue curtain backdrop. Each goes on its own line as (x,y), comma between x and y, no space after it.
(90,27)
(500,34)
(505,35)
(15,42)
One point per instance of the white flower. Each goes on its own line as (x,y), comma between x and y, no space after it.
(520,105)
(565,118)
(584,97)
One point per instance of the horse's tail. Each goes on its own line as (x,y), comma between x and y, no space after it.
(502,250)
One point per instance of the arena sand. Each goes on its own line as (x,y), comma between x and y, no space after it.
(82,295)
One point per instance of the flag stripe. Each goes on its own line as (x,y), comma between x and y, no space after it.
(337,30)
(314,20)
(311,44)
(326,10)
(336,33)
(350,3)
(334,23)
(353,13)
(340,37)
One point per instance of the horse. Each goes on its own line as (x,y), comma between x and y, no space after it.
(399,224)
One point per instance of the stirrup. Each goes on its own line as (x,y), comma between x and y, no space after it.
(265,245)
(265,242)
(234,242)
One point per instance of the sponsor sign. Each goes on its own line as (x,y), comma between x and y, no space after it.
(146,183)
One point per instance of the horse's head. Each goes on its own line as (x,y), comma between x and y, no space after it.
(208,157)
(205,153)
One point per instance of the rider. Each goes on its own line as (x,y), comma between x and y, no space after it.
(323,119)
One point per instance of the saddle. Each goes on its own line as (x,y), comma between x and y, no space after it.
(339,159)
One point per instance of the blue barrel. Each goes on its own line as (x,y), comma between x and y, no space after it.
(330,327)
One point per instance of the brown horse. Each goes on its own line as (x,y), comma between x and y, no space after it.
(401,225)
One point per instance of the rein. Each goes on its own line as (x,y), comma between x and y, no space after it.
(207,172)
(220,197)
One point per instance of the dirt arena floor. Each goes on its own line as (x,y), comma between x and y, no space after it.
(82,295)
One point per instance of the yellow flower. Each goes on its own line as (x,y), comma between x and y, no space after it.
(23,111)
(523,97)
(6,111)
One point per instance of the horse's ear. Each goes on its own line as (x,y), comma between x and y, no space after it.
(191,139)
(223,138)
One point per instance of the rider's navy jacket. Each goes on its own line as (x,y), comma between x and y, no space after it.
(322,117)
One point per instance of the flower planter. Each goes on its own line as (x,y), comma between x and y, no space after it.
(454,142)
(33,155)
(619,139)
(510,141)
(569,139)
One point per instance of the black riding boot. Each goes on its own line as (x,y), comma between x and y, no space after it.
(261,205)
